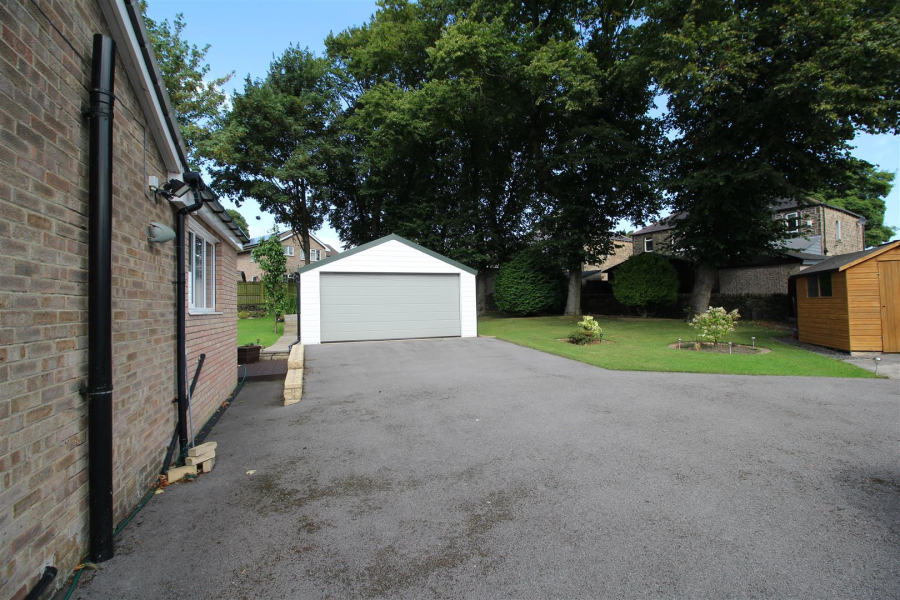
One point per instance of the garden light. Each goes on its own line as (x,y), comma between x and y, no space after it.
(876,360)
(729,347)
(679,343)
(753,339)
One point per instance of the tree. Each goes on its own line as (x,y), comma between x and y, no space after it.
(594,145)
(428,144)
(468,124)
(198,102)
(275,141)
(864,193)
(526,286)
(763,101)
(239,219)
(269,255)
(646,282)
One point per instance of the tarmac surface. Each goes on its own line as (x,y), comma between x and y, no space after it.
(473,468)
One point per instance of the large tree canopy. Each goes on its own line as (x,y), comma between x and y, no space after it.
(764,99)
(273,144)
(470,125)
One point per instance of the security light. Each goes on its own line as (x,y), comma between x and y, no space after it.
(157,232)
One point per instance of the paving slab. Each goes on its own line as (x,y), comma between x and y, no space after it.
(473,468)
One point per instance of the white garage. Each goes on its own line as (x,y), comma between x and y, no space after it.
(389,289)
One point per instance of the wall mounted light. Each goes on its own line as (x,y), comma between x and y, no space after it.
(158,233)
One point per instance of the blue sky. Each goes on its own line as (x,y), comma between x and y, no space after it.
(246,34)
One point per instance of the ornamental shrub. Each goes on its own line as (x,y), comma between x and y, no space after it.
(588,331)
(646,282)
(525,286)
(714,324)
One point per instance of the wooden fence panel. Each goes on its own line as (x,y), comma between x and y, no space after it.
(250,293)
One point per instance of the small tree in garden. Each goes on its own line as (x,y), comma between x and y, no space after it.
(646,282)
(588,331)
(714,324)
(525,286)
(269,255)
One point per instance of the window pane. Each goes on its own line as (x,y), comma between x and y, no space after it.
(825,284)
(812,286)
(199,300)
(210,270)
(190,268)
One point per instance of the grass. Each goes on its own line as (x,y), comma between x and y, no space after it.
(250,330)
(642,345)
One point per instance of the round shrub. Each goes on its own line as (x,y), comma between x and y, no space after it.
(588,332)
(525,286)
(646,282)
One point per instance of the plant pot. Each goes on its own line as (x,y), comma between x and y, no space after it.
(248,355)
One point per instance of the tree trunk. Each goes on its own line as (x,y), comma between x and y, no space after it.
(573,298)
(703,284)
(481,293)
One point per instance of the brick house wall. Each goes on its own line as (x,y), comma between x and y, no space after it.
(44,150)
(251,269)
(214,335)
(660,241)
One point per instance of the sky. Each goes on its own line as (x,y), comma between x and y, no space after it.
(245,35)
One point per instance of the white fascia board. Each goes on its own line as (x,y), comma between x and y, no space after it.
(211,220)
(126,41)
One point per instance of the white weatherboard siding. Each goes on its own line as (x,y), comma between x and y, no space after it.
(391,256)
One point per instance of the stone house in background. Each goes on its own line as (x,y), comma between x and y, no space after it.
(248,270)
(623,250)
(816,228)
(46,49)
(819,230)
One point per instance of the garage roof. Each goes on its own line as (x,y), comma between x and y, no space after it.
(379,241)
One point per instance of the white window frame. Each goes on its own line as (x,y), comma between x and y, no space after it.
(315,254)
(837,228)
(209,243)
(796,217)
(648,241)
(288,250)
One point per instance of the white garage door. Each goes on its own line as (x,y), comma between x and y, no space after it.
(388,306)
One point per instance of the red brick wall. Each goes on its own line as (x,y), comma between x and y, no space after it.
(43,296)
(216,336)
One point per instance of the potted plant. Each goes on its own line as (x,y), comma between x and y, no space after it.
(248,354)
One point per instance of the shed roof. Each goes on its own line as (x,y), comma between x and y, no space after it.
(378,242)
(842,262)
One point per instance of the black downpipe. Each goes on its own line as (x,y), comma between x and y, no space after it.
(171,450)
(181,302)
(48,576)
(100,373)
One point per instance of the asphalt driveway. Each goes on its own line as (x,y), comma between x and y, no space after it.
(476,468)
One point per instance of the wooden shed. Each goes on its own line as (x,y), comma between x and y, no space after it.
(852,302)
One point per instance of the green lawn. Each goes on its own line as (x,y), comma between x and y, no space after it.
(642,345)
(250,330)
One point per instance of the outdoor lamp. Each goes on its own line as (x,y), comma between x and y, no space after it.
(753,339)
(876,361)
